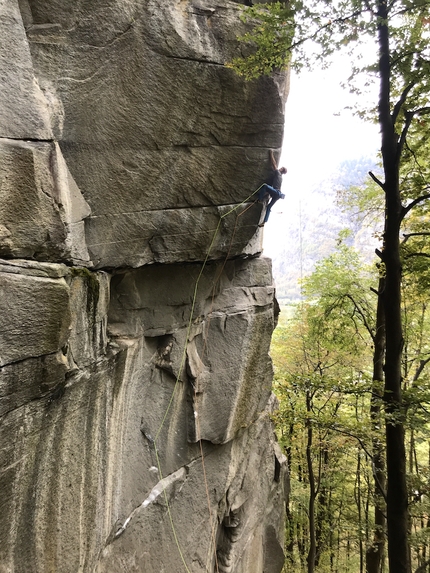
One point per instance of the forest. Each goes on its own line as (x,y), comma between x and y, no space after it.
(331,420)
(352,353)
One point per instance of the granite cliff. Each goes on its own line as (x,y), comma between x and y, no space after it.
(135,310)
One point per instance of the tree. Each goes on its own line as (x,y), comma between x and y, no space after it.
(320,380)
(400,28)
(330,396)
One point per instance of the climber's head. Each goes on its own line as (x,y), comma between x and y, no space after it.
(283,170)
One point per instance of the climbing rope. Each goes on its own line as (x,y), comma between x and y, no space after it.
(197,417)
(196,286)
(180,370)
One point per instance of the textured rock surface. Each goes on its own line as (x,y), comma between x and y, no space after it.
(150,120)
(93,425)
(135,320)
(23,108)
(42,211)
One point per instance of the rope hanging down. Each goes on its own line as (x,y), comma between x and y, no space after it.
(181,367)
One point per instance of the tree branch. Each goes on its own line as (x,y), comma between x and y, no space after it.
(422,110)
(376,180)
(417,162)
(420,368)
(412,204)
(323,27)
(363,446)
(409,255)
(401,101)
(409,115)
(422,568)
(363,318)
(404,55)
(407,235)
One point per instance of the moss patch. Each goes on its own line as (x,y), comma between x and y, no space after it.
(93,287)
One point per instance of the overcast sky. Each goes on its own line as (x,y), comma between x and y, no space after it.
(319,134)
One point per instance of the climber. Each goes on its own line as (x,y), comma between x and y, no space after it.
(272,188)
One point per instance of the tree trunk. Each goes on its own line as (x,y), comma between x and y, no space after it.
(397,498)
(331,534)
(374,553)
(312,489)
(359,511)
(322,513)
(290,525)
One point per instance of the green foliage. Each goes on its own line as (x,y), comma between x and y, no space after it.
(410,55)
(363,202)
(341,286)
(320,387)
(415,178)
(323,379)
(306,33)
(270,38)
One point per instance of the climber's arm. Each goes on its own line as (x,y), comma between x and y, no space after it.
(272,159)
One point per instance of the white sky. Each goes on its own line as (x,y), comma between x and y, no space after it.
(319,134)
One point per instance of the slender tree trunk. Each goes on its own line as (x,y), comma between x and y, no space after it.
(359,509)
(290,525)
(312,488)
(322,513)
(411,524)
(302,538)
(397,498)
(302,534)
(375,552)
(428,519)
(331,533)
(289,546)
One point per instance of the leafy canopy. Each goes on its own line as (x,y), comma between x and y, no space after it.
(306,33)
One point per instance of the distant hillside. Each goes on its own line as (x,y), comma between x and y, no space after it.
(311,233)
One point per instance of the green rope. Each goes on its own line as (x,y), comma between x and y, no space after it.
(196,286)
(178,545)
(181,366)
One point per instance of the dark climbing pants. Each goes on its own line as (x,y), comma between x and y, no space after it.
(275,194)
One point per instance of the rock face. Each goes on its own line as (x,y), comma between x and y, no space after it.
(135,312)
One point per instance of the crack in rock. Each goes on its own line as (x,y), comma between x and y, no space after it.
(155,493)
